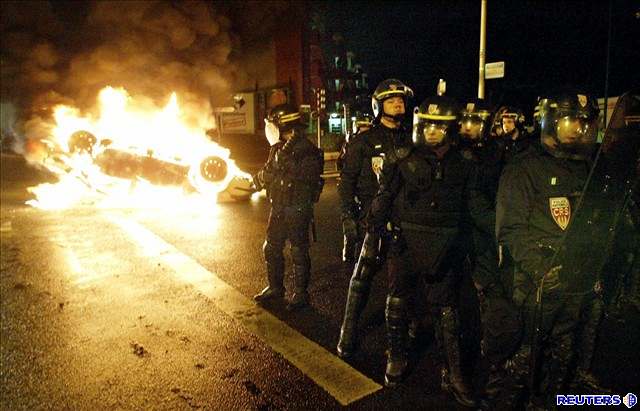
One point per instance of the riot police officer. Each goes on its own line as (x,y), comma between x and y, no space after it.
(352,232)
(536,198)
(475,144)
(509,132)
(358,185)
(291,177)
(426,190)
(501,328)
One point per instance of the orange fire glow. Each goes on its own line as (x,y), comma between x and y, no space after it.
(141,131)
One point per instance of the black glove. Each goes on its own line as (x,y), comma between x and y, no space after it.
(550,281)
(262,178)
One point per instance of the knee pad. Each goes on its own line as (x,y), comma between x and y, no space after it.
(359,285)
(396,307)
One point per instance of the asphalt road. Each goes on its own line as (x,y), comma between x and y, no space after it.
(151,309)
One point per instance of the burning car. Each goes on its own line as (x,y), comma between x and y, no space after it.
(130,150)
(211,175)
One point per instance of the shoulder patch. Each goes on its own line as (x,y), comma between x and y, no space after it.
(376,164)
(560,211)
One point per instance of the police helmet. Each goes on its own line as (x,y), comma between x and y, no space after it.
(387,89)
(285,117)
(568,123)
(508,112)
(434,121)
(475,119)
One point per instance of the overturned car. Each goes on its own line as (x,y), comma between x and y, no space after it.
(210,174)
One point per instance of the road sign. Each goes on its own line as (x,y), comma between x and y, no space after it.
(494,70)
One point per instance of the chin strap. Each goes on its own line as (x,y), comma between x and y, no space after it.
(396,119)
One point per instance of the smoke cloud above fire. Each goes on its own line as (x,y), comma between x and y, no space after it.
(65,52)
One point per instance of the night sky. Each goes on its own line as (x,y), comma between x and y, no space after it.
(546,45)
(65,51)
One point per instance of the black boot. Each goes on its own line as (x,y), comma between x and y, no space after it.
(585,381)
(356,301)
(495,381)
(453,379)
(397,357)
(517,370)
(300,298)
(275,276)
(268,294)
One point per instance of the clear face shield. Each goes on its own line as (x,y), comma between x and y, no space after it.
(271,131)
(429,133)
(471,128)
(576,134)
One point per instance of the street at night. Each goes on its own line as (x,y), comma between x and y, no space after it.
(152,309)
(319,205)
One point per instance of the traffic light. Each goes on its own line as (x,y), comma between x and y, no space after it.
(321,101)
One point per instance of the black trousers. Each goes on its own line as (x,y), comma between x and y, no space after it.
(501,324)
(289,223)
(569,324)
(429,255)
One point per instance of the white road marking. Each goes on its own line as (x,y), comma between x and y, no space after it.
(6,227)
(340,380)
(80,275)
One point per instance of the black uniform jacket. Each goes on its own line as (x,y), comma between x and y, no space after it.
(291,174)
(536,198)
(358,182)
(489,161)
(420,189)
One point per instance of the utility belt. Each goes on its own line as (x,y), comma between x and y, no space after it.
(405,225)
(287,192)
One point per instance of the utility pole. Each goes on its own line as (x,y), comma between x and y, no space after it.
(346,113)
(483,41)
(321,105)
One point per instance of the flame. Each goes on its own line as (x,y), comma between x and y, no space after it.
(135,127)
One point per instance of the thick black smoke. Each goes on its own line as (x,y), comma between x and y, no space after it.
(65,52)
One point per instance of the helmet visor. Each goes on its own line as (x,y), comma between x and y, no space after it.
(394,90)
(580,130)
(430,133)
(471,127)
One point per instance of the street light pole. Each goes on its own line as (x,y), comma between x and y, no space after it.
(321,105)
(319,129)
(483,41)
